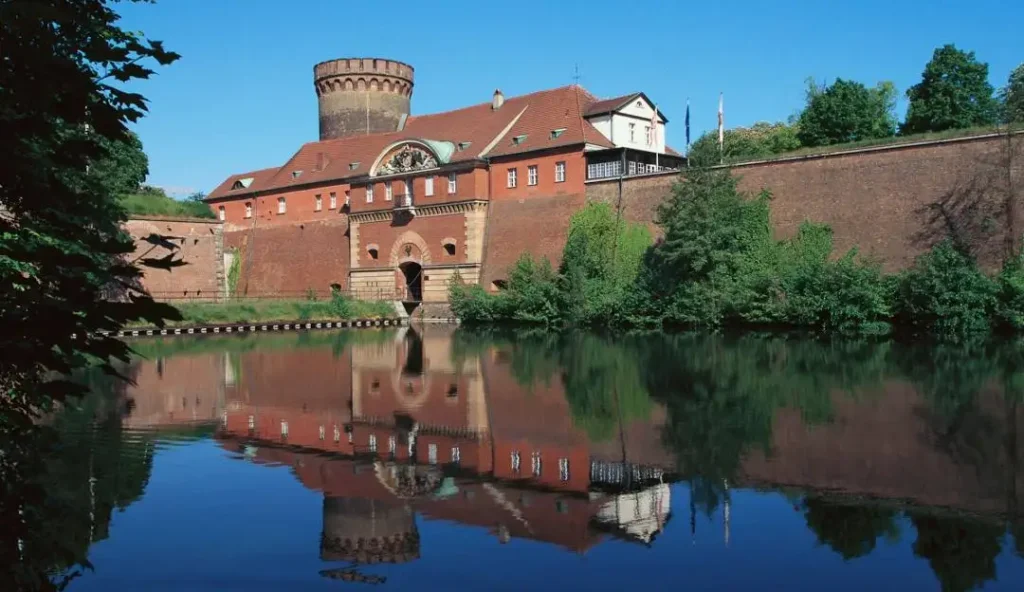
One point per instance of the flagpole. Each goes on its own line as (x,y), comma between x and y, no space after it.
(721,128)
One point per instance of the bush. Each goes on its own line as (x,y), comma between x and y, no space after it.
(1010,290)
(533,296)
(946,293)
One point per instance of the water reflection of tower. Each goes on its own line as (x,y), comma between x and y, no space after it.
(368,531)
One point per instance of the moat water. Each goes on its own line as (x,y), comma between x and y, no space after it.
(442,459)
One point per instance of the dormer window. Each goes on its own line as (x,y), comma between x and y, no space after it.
(353,165)
(517,140)
(464,145)
(241,184)
(296,174)
(557,132)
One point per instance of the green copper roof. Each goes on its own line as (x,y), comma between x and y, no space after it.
(442,149)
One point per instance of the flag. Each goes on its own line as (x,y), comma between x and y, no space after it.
(687,126)
(721,121)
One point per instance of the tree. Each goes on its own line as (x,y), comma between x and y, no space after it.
(851,530)
(124,167)
(1012,96)
(62,248)
(761,140)
(847,111)
(954,93)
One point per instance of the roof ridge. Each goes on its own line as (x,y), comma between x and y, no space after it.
(487,103)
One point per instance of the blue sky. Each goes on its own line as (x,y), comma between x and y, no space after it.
(242,98)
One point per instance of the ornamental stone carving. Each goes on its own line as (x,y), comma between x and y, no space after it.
(408,158)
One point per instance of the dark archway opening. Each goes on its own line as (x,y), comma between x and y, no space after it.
(413,274)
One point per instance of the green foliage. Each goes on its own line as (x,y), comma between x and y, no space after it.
(265,311)
(852,530)
(62,249)
(954,92)
(533,296)
(124,167)
(962,552)
(1010,287)
(847,111)
(601,260)
(235,271)
(1012,96)
(762,140)
(946,293)
(151,201)
(719,264)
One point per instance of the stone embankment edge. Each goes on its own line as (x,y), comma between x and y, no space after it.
(254,327)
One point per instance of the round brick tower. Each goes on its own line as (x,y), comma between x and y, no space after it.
(361,96)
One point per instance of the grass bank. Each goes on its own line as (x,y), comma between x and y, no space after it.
(157,204)
(268,311)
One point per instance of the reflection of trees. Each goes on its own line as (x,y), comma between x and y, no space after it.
(60,485)
(962,552)
(722,393)
(850,529)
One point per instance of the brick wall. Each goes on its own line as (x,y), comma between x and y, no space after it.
(537,225)
(891,202)
(200,244)
(575,169)
(292,258)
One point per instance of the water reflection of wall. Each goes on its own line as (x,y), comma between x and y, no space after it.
(184,388)
(892,443)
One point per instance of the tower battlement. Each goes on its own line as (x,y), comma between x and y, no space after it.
(362,95)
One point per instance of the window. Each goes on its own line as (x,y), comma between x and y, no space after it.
(512,178)
(560,172)
(248,210)
(369,194)
(284,429)
(647,134)
(452,180)
(373,252)
(557,132)
(392,444)
(333,203)
(221,214)
(601,170)
(373,443)
(323,432)
(388,192)
(632,132)
(456,454)
(535,464)
(515,461)
(432,454)
(337,434)
(632,167)
(252,422)
(348,197)
(428,186)
(282,206)
(449,248)
(563,469)
(318,203)
(531,174)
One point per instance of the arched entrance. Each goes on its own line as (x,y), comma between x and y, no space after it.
(412,272)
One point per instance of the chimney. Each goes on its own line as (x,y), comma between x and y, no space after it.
(498,100)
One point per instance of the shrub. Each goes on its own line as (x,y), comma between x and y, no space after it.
(1010,290)
(946,293)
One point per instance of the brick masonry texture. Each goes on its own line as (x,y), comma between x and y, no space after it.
(199,246)
(892,203)
(291,259)
(536,225)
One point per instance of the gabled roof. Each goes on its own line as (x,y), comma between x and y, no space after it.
(611,105)
(479,131)
(249,182)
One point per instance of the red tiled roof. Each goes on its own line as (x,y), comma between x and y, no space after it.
(260,180)
(488,131)
(607,105)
